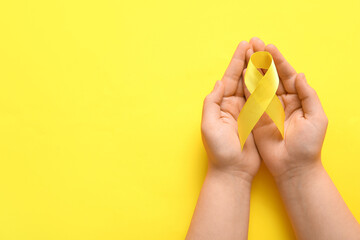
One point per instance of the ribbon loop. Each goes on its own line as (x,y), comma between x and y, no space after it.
(263,96)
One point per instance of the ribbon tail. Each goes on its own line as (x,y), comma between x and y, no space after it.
(276,112)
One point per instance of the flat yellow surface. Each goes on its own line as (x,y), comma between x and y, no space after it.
(100,109)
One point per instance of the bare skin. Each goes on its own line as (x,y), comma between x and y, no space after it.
(222,211)
(314,205)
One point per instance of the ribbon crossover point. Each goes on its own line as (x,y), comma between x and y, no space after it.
(263,96)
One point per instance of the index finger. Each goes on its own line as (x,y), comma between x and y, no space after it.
(286,72)
(234,70)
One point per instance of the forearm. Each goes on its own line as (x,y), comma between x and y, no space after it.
(222,210)
(315,207)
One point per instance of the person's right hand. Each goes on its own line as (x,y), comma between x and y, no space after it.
(305,122)
(219,123)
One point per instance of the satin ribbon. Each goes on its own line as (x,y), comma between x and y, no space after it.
(263,96)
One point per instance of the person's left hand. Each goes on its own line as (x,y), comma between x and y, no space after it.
(219,122)
(305,122)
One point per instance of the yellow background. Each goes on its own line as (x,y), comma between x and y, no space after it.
(100,109)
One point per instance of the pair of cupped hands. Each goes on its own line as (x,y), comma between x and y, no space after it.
(305,122)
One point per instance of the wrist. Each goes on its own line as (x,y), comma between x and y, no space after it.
(230,174)
(299,174)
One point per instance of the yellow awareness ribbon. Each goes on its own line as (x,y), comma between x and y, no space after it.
(263,96)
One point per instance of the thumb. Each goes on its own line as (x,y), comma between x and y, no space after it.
(310,101)
(211,108)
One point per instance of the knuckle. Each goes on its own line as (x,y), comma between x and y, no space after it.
(326,120)
(207,99)
(313,92)
(323,119)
